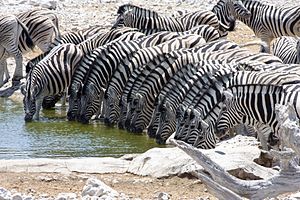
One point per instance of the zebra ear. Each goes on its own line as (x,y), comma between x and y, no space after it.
(23,90)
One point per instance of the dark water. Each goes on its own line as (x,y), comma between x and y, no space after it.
(54,137)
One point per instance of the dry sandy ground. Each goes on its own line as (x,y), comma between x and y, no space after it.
(42,185)
(45,185)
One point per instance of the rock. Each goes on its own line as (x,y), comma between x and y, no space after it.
(17,196)
(5,194)
(230,154)
(66,196)
(162,162)
(96,188)
(163,196)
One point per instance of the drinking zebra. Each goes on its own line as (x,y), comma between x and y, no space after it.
(49,77)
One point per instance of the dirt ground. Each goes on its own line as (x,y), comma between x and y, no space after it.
(49,185)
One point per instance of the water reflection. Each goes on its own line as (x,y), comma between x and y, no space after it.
(54,136)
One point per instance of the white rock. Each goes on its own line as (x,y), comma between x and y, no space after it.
(95,187)
(66,196)
(163,196)
(5,194)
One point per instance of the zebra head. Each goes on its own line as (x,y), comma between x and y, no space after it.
(111,105)
(178,118)
(123,112)
(137,117)
(238,9)
(29,100)
(230,115)
(182,124)
(74,100)
(125,18)
(90,101)
(153,125)
(167,122)
(227,21)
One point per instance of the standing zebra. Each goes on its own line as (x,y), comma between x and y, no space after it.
(149,21)
(267,21)
(11,29)
(49,77)
(287,49)
(42,28)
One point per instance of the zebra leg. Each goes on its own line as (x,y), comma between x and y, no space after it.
(38,105)
(6,72)
(18,74)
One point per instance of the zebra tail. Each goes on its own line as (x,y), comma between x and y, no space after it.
(29,41)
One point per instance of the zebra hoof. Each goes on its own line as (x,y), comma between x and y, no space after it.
(16,83)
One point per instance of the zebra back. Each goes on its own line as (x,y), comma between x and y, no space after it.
(286,49)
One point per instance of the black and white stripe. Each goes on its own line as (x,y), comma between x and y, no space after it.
(287,49)
(11,29)
(49,77)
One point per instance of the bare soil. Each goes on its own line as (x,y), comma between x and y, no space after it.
(49,185)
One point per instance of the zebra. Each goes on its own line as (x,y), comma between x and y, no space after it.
(228,10)
(11,29)
(269,21)
(149,21)
(82,70)
(109,60)
(49,77)
(287,49)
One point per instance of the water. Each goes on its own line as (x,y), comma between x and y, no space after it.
(54,137)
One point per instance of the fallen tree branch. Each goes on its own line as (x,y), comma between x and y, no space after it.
(285,181)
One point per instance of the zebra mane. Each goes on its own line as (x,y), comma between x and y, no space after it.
(136,10)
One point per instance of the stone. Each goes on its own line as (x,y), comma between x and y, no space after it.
(17,196)
(66,196)
(96,188)
(163,196)
(5,194)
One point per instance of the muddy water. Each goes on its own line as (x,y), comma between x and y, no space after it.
(53,136)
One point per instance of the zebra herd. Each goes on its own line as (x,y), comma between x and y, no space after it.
(173,76)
